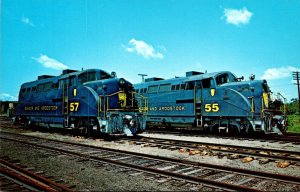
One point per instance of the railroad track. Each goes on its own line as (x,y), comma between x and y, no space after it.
(293,138)
(16,178)
(213,176)
(264,155)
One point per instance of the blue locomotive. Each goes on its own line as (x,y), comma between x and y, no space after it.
(217,101)
(88,101)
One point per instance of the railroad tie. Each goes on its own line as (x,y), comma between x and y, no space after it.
(191,172)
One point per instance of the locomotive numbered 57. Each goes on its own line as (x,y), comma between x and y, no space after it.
(213,101)
(88,100)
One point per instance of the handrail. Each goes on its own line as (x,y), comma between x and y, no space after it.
(105,101)
(65,97)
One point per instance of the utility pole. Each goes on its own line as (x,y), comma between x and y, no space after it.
(296,77)
(143,75)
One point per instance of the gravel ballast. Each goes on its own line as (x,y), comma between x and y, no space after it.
(86,176)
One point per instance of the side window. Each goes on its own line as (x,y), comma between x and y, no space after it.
(153,89)
(198,84)
(72,81)
(165,88)
(189,85)
(40,87)
(173,87)
(48,86)
(176,87)
(206,83)
(28,89)
(182,86)
(33,89)
(55,85)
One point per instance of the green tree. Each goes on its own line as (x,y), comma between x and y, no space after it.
(292,107)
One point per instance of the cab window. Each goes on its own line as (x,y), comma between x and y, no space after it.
(104,75)
(72,81)
(86,77)
(189,85)
(207,83)
(55,85)
(221,79)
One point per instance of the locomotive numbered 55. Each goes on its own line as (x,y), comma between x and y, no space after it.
(88,100)
(213,101)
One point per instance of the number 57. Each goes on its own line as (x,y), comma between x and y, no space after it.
(74,106)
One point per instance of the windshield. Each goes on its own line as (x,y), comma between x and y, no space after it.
(104,75)
(221,79)
(86,77)
(225,78)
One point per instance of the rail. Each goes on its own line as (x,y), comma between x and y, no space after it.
(170,167)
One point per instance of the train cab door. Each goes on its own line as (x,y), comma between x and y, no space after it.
(207,96)
(69,92)
(65,103)
(198,103)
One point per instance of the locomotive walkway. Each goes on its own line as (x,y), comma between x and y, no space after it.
(214,176)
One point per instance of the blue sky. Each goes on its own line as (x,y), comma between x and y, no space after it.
(161,38)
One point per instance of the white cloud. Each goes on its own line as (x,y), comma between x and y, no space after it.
(237,17)
(27,21)
(50,63)
(144,49)
(279,73)
(7,97)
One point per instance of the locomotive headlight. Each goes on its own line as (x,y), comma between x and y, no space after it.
(122,82)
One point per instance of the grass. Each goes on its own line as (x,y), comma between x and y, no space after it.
(294,123)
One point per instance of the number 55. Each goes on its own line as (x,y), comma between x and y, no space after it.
(212,107)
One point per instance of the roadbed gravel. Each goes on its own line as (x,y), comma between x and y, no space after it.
(88,177)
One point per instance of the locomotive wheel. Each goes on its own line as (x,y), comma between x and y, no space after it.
(233,130)
(268,124)
(90,123)
(250,130)
(50,129)
(15,120)
(28,122)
